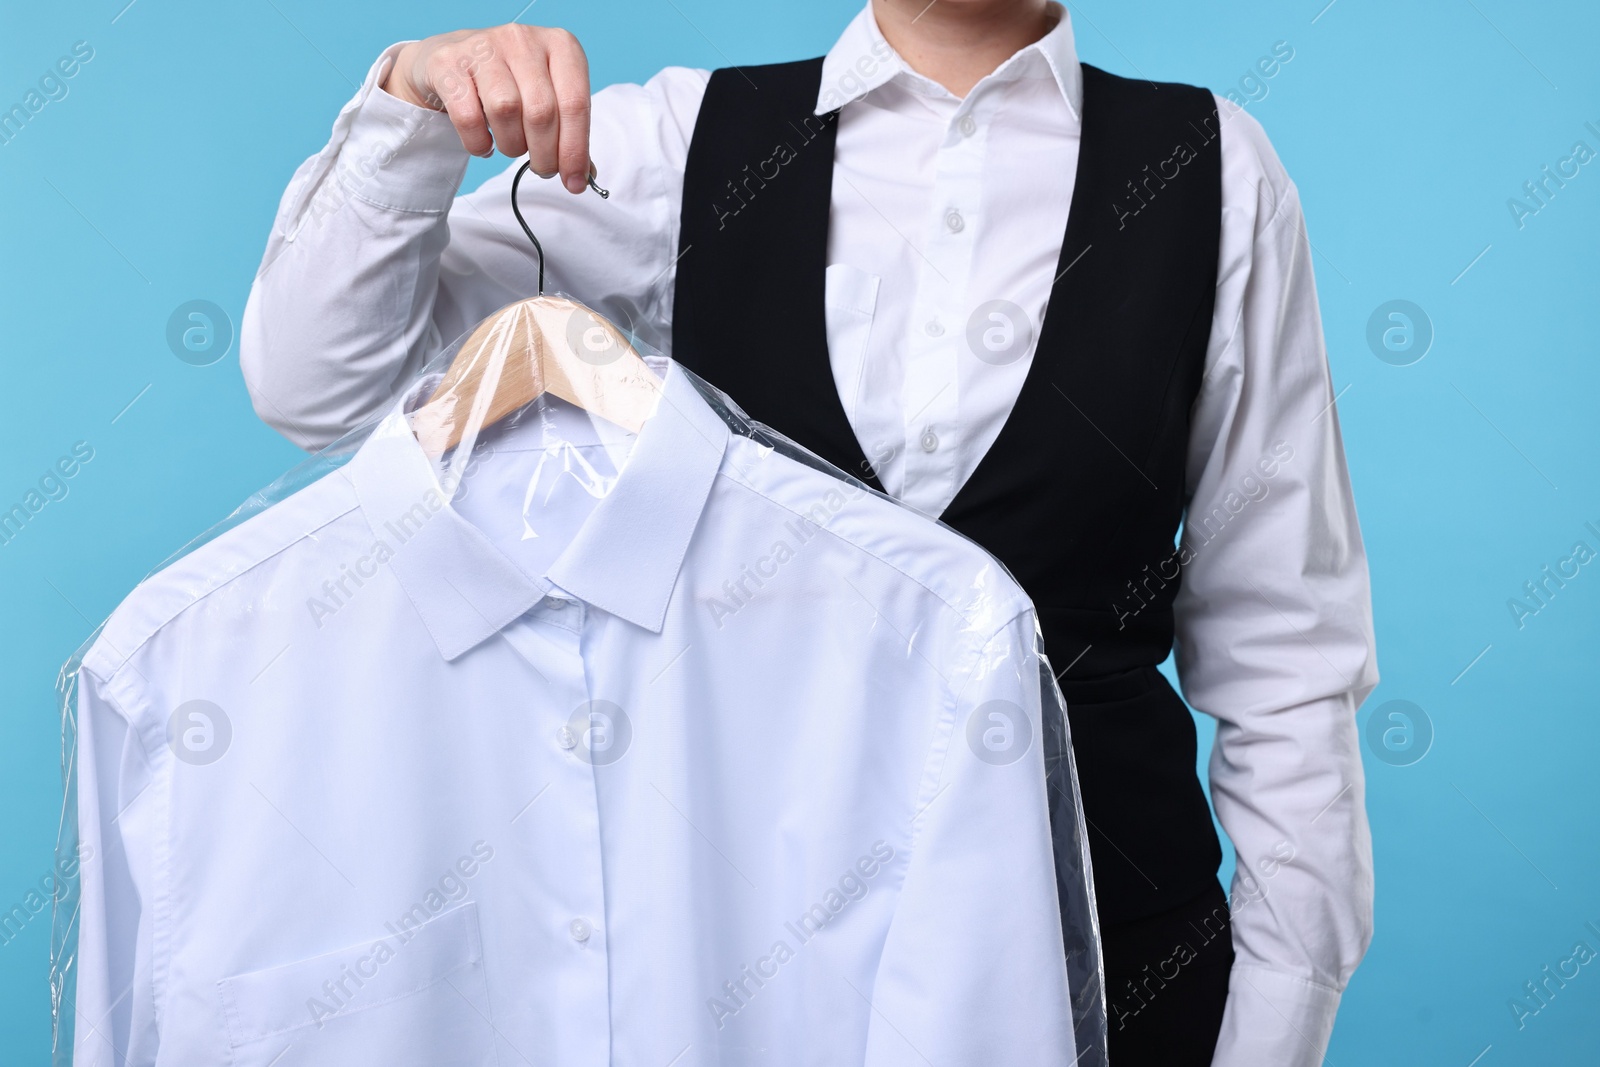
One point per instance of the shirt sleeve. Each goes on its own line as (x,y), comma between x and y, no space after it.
(113,1014)
(374,264)
(973,972)
(1274,624)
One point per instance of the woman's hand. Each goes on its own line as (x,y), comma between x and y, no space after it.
(519,89)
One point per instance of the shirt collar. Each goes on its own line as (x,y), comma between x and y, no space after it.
(624,560)
(861,61)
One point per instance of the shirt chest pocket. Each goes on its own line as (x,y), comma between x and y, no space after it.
(421,1001)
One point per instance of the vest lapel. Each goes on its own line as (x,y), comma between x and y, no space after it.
(764,229)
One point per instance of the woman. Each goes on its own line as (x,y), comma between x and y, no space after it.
(1065,312)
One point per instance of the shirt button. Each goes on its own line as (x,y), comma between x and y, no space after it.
(933,328)
(566,738)
(953,221)
(579,930)
(968,125)
(930,440)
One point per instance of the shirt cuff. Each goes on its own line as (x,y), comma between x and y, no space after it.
(383,151)
(1275,1018)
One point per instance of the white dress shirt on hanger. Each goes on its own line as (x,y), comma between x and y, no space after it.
(542,774)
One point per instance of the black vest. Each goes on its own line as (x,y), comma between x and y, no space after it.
(1082,493)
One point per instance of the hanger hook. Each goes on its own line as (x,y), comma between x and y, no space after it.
(517,211)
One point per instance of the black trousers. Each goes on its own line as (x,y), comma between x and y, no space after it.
(1167,983)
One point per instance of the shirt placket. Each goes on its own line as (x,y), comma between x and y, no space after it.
(567,831)
(931,399)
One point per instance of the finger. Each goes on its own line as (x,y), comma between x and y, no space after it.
(569,74)
(458,94)
(502,105)
(541,122)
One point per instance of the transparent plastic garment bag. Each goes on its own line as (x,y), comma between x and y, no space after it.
(524,428)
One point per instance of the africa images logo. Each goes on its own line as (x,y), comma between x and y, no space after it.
(852,885)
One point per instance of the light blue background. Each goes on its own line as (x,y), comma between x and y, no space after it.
(1406,127)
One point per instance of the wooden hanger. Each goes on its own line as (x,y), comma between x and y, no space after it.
(544,344)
